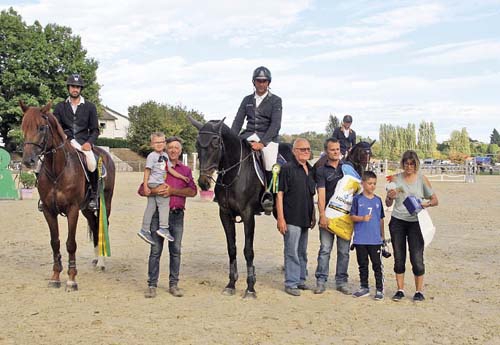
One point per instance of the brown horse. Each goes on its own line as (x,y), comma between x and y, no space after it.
(62,184)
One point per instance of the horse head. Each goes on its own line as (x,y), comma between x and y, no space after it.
(210,148)
(38,127)
(360,155)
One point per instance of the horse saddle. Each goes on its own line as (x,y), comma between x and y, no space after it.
(83,162)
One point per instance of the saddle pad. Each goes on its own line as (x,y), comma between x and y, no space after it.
(258,169)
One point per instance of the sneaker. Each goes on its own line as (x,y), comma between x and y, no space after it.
(398,296)
(362,292)
(379,295)
(150,292)
(344,289)
(292,291)
(175,291)
(320,288)
(165,233)
(146,236)
(418,297)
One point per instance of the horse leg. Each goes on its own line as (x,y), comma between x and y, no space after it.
(55,281)
(93,227)
(230,230)
(249,225)
(72,215)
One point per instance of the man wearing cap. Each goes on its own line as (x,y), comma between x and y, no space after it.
(78,118)
(345,135)
(262,111)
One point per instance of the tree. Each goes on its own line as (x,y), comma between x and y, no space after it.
(396,140)
(459,143)
(152,117)
(427,140)
(333,122)
(34,65)
(495,137)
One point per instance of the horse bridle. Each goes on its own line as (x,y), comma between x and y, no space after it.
(217,166)
(43,145)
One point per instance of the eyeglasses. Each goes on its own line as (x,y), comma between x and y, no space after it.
(262,81)
(303,149)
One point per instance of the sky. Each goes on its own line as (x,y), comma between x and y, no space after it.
(383,62)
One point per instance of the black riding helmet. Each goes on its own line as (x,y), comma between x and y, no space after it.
(261,73)
(75,80)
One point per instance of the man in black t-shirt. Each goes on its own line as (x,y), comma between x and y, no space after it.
(295,211)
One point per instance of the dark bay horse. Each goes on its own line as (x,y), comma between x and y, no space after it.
(237,189)
(359,157)
(61,184)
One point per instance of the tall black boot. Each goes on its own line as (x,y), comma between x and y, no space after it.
(94,201)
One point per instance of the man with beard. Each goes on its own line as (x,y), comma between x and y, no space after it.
(78,118)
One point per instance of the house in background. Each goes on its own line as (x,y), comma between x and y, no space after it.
(113,124)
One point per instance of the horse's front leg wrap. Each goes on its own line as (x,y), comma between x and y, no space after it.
(233,271)
(57,267)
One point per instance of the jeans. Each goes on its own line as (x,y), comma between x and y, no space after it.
(402,231)
(326,238)
(176,223)
(295,253)
(373,252)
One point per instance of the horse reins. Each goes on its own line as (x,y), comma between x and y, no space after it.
(50,173)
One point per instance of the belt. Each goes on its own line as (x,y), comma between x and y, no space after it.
(176,210)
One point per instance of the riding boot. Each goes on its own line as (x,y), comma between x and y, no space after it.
(93,201)
(267,200)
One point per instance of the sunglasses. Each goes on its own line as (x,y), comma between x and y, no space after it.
(407,164)
(303,149)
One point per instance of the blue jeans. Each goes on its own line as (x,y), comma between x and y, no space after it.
(295,253)
(176,223)
(326,238)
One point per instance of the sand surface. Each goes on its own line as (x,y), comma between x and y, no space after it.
(462,283)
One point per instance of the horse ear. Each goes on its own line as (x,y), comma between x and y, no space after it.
(46,108)
(23,106)
(194,122)
(218,125)
(373,142)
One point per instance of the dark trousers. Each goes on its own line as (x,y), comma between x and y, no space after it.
(366,253)
(401,233)
(176,227)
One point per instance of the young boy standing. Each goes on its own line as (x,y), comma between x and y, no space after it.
(155,173)
(367,213)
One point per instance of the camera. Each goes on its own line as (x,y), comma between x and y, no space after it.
(385,249)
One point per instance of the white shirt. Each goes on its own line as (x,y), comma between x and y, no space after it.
(259,99)
(82,100)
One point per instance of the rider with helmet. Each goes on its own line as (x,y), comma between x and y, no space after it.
(78,118)
(262,110)
(345,135)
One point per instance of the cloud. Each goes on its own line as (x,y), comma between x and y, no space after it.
(385,26)
(458,53)
(111,27)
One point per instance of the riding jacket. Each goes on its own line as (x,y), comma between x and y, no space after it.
(82,125)
(345,142)
(264,120)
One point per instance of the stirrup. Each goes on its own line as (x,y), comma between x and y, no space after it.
(267,202)
(40,205)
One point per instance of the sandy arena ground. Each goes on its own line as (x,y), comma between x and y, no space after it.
(462,283)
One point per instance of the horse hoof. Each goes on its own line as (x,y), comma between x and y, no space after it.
(250,295)
(100,268)
(71,286)
(94,262)
(228,292)
(54,284)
